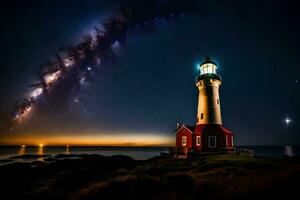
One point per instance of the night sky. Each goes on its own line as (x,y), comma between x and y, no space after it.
(149,85)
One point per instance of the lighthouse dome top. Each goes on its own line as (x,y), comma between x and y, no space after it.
(207,61)
(208,66)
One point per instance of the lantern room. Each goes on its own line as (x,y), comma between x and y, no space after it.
(208,67)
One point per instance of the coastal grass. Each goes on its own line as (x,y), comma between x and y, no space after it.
(121,177)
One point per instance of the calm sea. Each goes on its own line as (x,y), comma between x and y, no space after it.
(139,153)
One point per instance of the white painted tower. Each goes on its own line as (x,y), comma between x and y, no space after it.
(208,83)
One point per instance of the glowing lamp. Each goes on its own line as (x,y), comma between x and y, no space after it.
(208,67)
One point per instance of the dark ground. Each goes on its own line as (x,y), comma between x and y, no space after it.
(121,177)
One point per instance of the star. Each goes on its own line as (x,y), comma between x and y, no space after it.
(287,121)
(76,100)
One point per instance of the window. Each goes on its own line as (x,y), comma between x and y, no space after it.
(183,141)
(202,115)
(208,68)
(198,140)
(212,141)
(202,71)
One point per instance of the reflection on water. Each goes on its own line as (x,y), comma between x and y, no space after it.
(67,149)
(288,151)
(139,153)
(22,150)
(40,150)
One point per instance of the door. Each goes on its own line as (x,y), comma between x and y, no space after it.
(212,141)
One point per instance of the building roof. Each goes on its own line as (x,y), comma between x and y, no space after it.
(190,128)
(206,128)
(209,128)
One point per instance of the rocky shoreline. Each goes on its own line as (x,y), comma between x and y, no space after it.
(121,177)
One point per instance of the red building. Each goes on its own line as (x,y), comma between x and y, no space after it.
(208,135)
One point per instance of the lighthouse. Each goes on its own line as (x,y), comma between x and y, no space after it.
(208,83)
(208,134)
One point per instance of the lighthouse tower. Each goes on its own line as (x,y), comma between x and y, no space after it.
(209,134)
(208,83)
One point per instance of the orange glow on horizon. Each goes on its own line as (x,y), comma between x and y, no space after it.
(91,139)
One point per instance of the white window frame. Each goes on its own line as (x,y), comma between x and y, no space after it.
(198,140)
(208,68)
(183,138)
(209,145)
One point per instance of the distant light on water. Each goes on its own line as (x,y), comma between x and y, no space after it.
(40,150)
(22,150)
(67,149)
(288,151)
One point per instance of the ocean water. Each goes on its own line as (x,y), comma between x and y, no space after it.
(274,151)
(139,153)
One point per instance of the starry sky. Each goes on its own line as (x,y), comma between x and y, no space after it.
(138,98)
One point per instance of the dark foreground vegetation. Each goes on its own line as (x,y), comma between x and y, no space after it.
(121,177)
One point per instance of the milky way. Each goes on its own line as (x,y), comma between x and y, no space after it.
(99,48)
